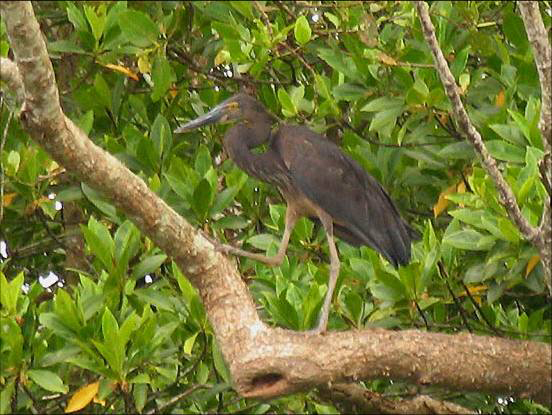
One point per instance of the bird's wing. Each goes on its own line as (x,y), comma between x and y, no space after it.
(354,199)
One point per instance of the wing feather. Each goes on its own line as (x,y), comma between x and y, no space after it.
(341,187)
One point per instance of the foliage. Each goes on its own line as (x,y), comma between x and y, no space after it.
(359,73)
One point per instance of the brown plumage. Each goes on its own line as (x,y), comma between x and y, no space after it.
(317,179)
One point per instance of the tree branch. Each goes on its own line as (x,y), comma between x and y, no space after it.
(352,398)
(542,53)
(264,362)
(10,73)
(506,194)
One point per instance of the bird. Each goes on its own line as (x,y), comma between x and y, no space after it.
(317,180)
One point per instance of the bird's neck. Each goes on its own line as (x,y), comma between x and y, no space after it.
(240,139)
(257,132)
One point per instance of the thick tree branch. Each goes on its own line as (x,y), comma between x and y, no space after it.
(10,73)
(508,199)
(353,398)
(264,362)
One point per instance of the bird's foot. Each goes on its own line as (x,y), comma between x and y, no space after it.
(220,247)
(216,244)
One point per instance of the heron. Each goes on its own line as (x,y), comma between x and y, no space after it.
(317,180)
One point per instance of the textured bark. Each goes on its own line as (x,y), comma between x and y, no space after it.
(352,398)
(264,362)
(542,52)
(537,237)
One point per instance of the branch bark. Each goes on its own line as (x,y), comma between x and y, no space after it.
(264,362)
(536,236)
(352,398)
(542,53)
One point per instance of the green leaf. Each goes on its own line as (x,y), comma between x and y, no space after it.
(47,380)
(100,202)
(421,87)
(502,150)
(220,364)
(510,133)
(288,109)
(187,289)
(140,394)
(529,175)
(522,124)
(469,216)
(97,22)
(469,239)
(244,8)
(281,310)
(515,30)
(383,103)
(262,241)
(394,288)
(110,328)
(384,121)
(203,160)
(226,31)
(6,396)
(65,46)
(332,18)
(111,348)
(126,242)
(75,16)
(138,28)
(456,151)
(348,92)
(66,310)
(131,323)
(302,30)
(12,344)
(353,307)
(161,134)
(457,67)
(231,222)
(340,62)
(10,291)
(189,343)
(54,323)
(163,77)
(100,242)
(223,199)
(202,198)
(148,265)
(158,299)
(102,90)
(86,121)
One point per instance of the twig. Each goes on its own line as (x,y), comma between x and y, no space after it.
(538,37)
(216,77)
(539,239)
(31,397)
(445,277)
(542,52)
(420,311)
(480,312)
(178,397)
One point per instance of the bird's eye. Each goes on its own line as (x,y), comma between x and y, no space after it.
(233,106)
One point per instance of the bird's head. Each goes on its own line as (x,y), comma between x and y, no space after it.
(239,107)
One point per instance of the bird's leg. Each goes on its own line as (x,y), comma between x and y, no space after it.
(327,222)
(291,219)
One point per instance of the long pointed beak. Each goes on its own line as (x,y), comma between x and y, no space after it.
(213,116)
